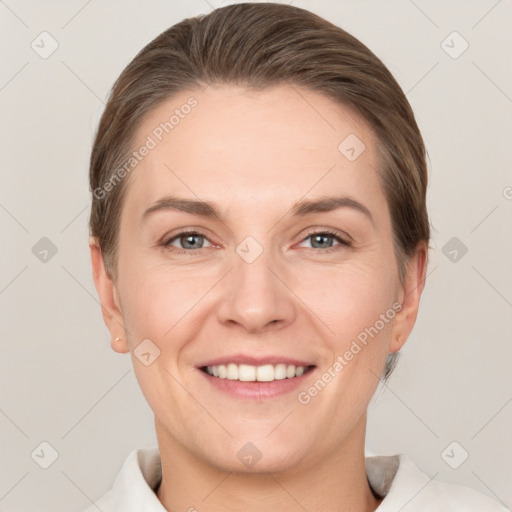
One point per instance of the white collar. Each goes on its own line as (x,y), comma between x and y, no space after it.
(396,477)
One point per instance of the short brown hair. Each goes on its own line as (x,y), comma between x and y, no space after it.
(258,45)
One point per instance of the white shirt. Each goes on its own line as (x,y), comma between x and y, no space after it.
(396,477)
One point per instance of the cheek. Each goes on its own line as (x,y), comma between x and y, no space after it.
(158,297)
(158,306)
(342,300)
(347,298)
(355,304)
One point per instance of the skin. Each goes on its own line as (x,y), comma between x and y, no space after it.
(254,154)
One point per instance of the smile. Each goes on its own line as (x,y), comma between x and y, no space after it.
(250,373)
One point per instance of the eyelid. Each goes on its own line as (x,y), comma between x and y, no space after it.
(171,237)
(343,239)
(330,231)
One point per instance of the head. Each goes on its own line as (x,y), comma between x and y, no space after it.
(252,119)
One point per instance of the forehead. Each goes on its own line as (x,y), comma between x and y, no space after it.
(276,144)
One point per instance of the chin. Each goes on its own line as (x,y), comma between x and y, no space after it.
(256,455)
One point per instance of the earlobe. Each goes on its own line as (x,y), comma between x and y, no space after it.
(120,345)
(107,293)
(397,343)
(410,293)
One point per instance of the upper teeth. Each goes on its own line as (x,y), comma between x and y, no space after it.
(249,373)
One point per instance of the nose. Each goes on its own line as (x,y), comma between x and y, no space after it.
(255,295)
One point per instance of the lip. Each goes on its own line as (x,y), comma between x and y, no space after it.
(255,361)
(257,391)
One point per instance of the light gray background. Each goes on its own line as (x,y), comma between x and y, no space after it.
(60,381)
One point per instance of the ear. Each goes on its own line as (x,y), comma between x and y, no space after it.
(109,300)
(409,297)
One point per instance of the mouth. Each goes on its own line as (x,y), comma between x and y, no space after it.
(253,373)
(250,379)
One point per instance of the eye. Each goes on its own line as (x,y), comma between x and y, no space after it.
(187,241)
(326,240)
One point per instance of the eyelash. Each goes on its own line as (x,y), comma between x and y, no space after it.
(343,243)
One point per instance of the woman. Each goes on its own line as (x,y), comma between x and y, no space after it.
(259,240)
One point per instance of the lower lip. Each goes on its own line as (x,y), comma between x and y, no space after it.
(257,390)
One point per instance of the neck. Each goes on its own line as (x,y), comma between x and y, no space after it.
(335,482)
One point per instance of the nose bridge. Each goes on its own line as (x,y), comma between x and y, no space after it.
(254,297)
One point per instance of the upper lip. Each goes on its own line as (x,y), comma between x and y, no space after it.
(255,361)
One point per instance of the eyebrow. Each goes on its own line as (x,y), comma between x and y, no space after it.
(299,209)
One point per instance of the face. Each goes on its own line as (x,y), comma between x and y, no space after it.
(256,261)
